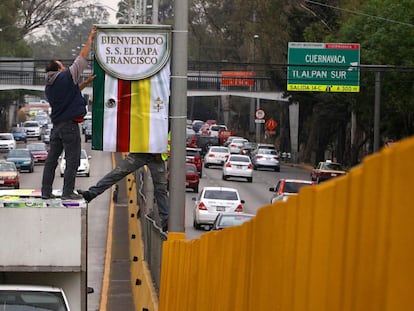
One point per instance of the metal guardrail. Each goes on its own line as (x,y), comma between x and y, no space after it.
(152,234)
(210,78)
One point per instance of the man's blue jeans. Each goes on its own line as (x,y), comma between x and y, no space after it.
(64,136)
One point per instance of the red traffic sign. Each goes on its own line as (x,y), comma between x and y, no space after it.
(259,114)
(271,124)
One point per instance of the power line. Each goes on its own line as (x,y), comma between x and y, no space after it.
(360,13)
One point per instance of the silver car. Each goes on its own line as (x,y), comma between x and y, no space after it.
(266,158)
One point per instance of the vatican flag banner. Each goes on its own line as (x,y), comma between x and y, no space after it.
(132,88)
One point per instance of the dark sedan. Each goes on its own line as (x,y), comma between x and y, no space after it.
(23,159)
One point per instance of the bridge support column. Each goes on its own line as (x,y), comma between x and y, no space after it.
(252,125)
(225,106)
(294,130)
(258,125)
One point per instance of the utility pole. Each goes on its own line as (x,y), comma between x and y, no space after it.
(178,117)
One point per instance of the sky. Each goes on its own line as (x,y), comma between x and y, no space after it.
(111,4)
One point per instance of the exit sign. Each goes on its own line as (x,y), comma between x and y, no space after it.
(323,67)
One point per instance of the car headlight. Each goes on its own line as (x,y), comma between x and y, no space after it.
(26,162)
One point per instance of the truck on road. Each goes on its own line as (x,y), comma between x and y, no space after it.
(43,253)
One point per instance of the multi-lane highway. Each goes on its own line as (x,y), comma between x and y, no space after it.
(254,194)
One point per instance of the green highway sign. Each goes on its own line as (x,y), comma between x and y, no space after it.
(323,67)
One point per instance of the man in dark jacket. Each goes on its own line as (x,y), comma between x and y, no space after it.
(63,92)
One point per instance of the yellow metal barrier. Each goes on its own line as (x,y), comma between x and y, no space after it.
(346,244)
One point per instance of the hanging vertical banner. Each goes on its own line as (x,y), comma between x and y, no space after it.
(132,88)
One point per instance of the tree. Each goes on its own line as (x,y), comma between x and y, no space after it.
(64,40)
(384,29)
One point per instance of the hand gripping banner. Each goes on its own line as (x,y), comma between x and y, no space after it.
(132,88)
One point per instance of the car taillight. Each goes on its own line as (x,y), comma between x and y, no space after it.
(250,166)
(239,208)
(193,177)
(201,206)
(228,164)
(233,145)
(282,188)
(259,156)
(211,155)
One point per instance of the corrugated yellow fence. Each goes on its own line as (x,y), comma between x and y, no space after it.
(347,244)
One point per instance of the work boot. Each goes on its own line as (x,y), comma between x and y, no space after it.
(72,196)
(48,196)
(86,195)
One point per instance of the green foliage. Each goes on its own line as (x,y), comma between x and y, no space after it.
(11,38)
(64,40)
(385,31)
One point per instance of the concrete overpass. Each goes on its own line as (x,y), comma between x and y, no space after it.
(200,84)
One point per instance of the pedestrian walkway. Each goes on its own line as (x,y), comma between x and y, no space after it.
(120,294)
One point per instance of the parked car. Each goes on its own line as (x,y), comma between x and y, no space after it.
(230,220)
(9,175)
(39,151)
(326,170)
(23,159)
(33,129)
(212,201)
(193,156)
(238,165)
(266,158)
(7,142)
(19,134)
(216,155)
(286,188)
(84,168)
(236,144)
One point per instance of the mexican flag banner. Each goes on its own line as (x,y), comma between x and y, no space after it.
(131,90)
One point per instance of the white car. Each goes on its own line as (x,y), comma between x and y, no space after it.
(215,128)
(236,144)
(216,155)
(84,168)
(229,139)
(7,142)
(238,165)
(33,129)
(32,297)
(286,188)
(214,200)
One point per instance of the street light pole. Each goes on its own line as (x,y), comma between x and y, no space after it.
(258,125)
